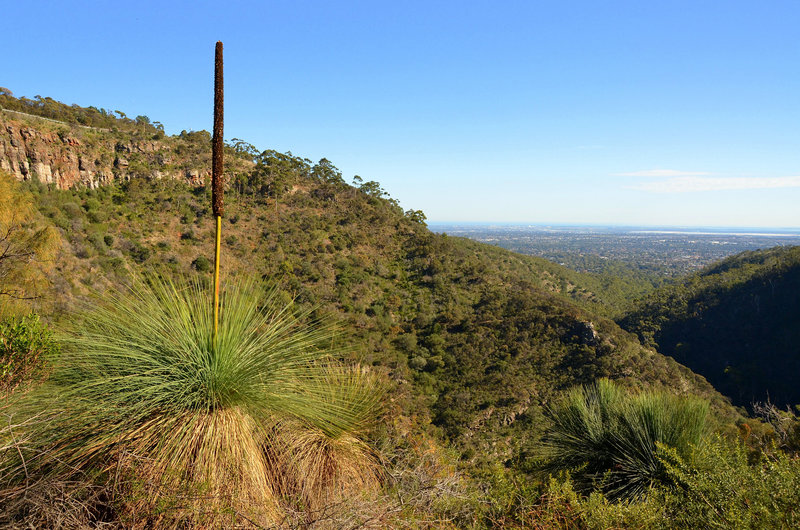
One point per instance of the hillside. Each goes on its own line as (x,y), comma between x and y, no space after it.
(476,339)
(464,323)
(735,322)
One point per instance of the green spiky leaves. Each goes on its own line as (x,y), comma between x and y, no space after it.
(154,347)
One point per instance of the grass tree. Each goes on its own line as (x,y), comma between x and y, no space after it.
(608,439)
(142,388)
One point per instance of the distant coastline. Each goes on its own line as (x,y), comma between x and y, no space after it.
(616,229)
(697,233)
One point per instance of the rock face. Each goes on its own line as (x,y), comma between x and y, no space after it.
(586,333)
(66,157)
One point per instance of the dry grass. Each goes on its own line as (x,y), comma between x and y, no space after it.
(327,470)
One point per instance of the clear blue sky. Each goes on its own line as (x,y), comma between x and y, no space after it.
(656,113)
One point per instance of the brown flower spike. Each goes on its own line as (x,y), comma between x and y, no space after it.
(216,141)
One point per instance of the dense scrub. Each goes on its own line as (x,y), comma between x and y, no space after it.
(720,484)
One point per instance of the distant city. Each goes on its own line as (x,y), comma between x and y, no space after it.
(663,251)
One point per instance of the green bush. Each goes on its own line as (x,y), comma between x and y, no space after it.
(92,204)
(72,210)
(26,345)
(97,240)
(608,438)
(62,222)
(202,264)
(719,484)
(97,216)
(138,252)
(721,488)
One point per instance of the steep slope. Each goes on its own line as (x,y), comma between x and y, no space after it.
(735,322)
(476,339)
(473,329)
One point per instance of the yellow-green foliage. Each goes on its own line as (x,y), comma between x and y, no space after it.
(26,346)
(723,485)
(27,247)
(720,484)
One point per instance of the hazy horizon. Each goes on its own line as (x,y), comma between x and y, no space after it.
(786,229)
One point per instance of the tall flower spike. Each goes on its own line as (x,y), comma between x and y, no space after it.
(216,177)
(216,142)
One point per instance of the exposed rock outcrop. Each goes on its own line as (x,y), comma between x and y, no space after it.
(586,334)
(65,157)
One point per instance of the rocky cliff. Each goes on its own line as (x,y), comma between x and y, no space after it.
(66,155)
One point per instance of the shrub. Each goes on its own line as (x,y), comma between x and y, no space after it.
(97,240)
(81,251)
(608,438)
(717,485)
(721,488)
(785,425)
(25,347)
(92,204)
(98,216)
(62,222)
(138,252)
(204,427)
(27,247)
(202,264)
(72,210)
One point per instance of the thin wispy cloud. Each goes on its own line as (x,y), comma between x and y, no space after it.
(685,184)
(662,173)
(590,147)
